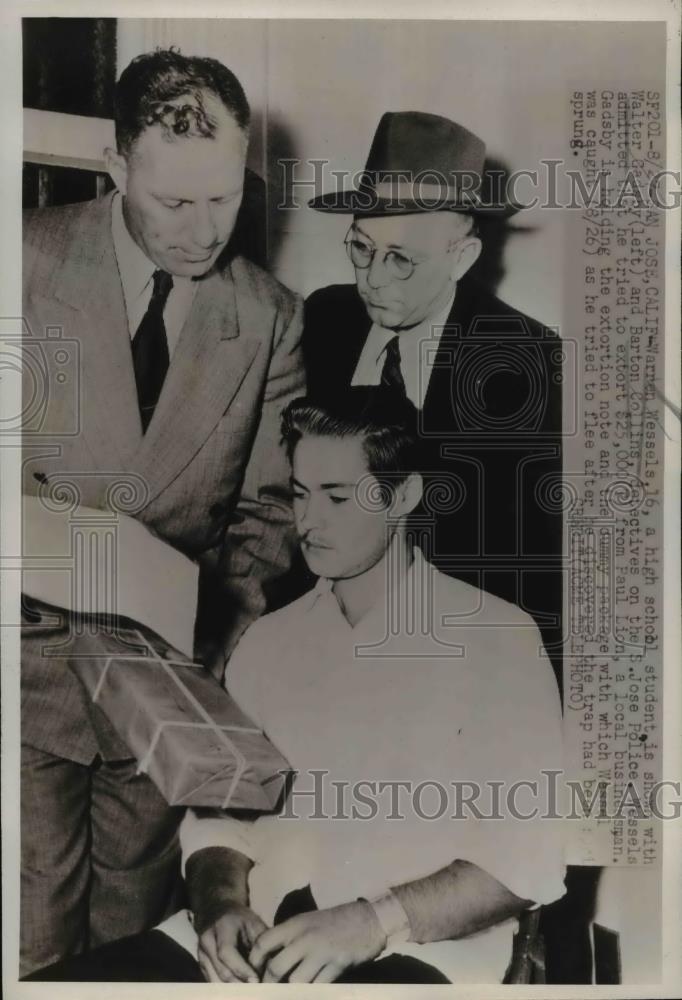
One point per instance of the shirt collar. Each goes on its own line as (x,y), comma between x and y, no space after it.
(135,268)
(410,583)
(322,586)
(440,319)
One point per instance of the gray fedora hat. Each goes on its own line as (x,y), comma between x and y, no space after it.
(418,162)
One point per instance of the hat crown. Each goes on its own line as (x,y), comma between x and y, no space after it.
(416,143)
(419,162)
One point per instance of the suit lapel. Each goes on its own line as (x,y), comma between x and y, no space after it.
(89,281)
(356,335)
(440,404)
(208,366)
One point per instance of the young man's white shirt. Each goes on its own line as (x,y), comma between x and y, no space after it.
(437,683)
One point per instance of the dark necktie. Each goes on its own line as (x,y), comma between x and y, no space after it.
(391,375)
(150,349)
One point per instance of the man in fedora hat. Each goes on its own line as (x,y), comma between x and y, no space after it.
(484,376)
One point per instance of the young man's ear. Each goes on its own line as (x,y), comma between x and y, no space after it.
(408,495)
(117,168)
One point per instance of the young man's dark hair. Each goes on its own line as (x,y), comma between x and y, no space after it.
(148,90)
(384,419)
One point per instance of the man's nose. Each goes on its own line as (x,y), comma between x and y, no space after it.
(204,230)
(377,273)
(308,516)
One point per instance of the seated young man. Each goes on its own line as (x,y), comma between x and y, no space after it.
(418,714)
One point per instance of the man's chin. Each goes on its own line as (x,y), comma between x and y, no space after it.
(321,562)
(188,268)
(383,316)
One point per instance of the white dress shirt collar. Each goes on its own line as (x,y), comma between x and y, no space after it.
(418,348)
(134,267)
(405,583)
(136,271)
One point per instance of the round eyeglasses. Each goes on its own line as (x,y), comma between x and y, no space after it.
(397,264)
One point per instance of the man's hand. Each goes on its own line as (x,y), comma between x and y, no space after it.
(224,945)
(318,946)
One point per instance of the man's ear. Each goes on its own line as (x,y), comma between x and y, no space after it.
(117,168)
(466,255)
(408,495)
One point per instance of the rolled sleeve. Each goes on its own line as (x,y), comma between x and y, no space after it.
(198,832)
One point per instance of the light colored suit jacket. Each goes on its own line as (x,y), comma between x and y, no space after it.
(209,477)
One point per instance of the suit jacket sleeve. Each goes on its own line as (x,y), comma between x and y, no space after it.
(260,539)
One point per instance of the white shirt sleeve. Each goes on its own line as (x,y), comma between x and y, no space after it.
(198,832)
(220,829)
(522,738)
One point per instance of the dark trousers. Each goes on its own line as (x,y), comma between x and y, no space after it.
(156,958)
(100,856)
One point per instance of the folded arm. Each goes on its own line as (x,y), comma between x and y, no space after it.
(450,903)
(317,947)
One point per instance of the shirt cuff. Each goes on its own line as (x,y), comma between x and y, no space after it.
(197,832)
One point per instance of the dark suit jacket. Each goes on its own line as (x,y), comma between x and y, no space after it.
(209,477)
(490,433)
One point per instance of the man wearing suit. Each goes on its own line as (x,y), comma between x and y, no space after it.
(182,357)
(485,377)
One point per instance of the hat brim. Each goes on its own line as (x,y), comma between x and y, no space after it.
(368,203)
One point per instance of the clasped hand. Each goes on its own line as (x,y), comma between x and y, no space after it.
(311,947)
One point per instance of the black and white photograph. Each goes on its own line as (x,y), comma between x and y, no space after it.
(340,504)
